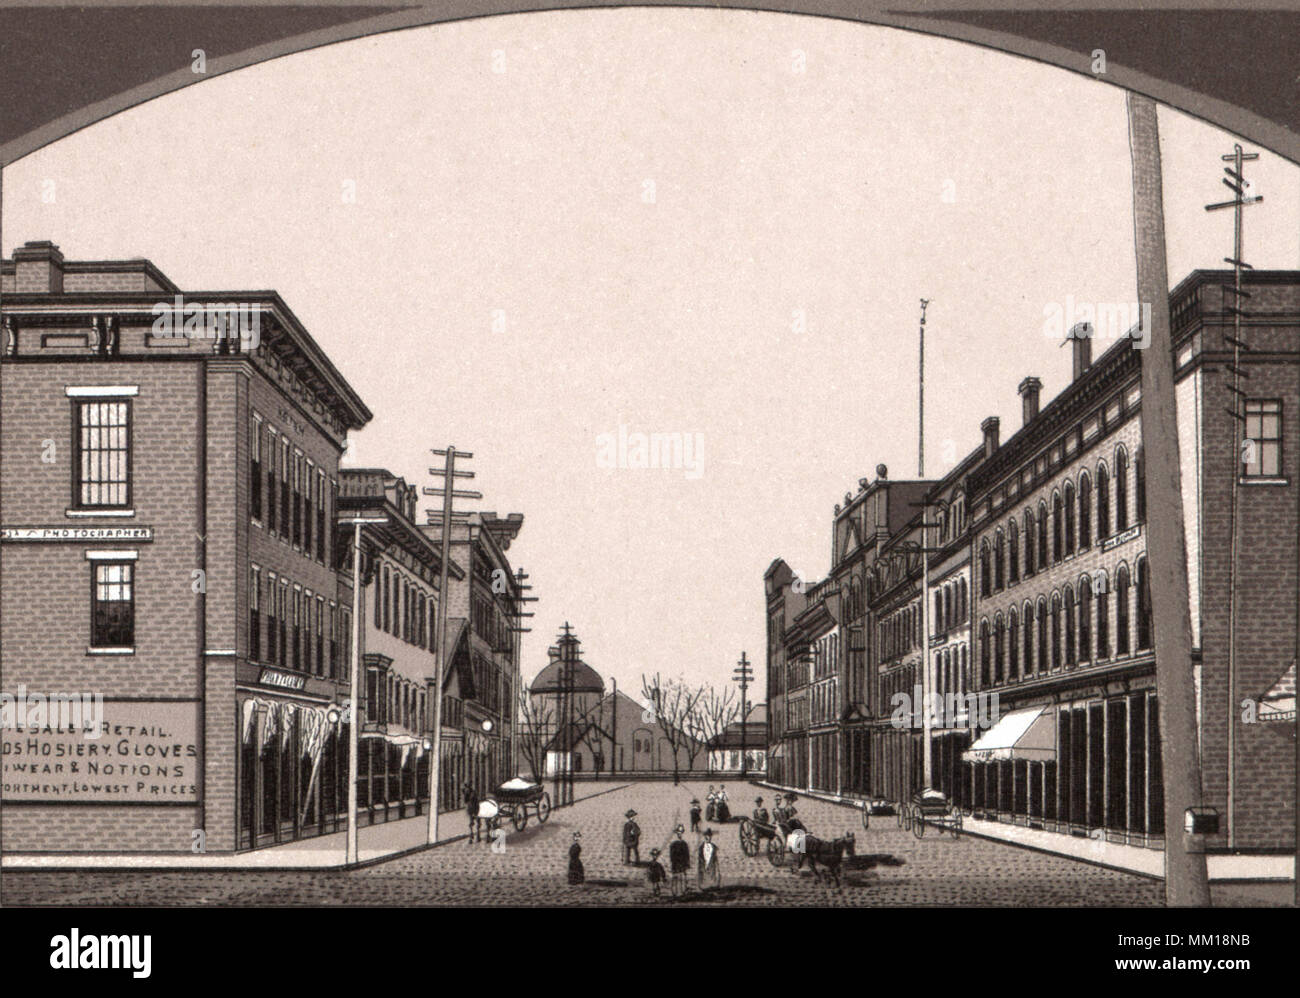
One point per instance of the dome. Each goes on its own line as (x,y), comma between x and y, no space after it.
(551,679)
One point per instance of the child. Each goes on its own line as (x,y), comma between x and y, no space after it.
(695,815)
(654,873)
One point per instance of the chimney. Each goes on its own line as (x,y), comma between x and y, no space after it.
(1029,389)
(38,267)
(1081,342)
(990,428)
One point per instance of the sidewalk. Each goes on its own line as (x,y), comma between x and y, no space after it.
(1118,856)
(374,843)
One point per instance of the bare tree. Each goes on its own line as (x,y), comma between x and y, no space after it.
(537,715)
(717,711)
(673,703)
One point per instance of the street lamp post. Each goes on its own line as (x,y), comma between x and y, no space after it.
(354,681)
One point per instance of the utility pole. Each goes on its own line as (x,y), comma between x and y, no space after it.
(1186,883)
(1236,182)
(613,728)
(448,493)
(354,684)
(920,398)
(744,675)
(516,644)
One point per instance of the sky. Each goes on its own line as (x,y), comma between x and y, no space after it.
(531,235)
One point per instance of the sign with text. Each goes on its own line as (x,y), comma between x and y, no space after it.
(284,680)
(76,533)
(143,751)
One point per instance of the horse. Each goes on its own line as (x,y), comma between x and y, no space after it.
(831,854)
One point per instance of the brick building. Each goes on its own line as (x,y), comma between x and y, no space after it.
(484,604)
(1063,611)
(1039,592)
(169,467)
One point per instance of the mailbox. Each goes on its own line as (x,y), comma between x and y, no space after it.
(1201,821)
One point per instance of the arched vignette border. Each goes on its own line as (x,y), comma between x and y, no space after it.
(987,23)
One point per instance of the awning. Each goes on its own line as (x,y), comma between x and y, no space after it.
(1022,734)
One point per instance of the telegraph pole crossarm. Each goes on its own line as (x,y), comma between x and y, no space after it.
(440,662)
(744,675)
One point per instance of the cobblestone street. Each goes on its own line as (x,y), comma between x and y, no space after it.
(891,867)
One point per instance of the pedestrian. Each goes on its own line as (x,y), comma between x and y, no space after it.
(706,867)
(723,808)
(679,861)
(760,812)
(778,811)
(654,873)
(471,810)
(577,874)
(631,839)
(695,815)
(711,811)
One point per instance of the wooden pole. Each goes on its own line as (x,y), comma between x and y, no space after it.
(1186,883)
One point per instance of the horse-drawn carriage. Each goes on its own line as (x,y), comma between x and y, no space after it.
(789,840)
(515,797)
(933,808)
(760,835)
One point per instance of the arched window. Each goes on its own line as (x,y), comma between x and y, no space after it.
(999,561)
(1042,635)
(1057,553)
(1069,519)
(938,611)
(1102,593)
(947,607)
(1029,639)
(1085,619)
(986,588)
(1056,630)
(1103,502)
(1029,543)
(1121,611)
(1042,535)
(1145,630)
(1140,485)
(1121,489)
(1013,646)
(379,599)
(965,671)
(1069,626)
(962,611)
(999,649)
(1085,512)
(984,654)
(1013,550)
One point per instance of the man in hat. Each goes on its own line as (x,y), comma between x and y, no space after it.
(679,861)
(695,815)
(654,872)
(631,839)
(791,811)
(706,867)
(760,812)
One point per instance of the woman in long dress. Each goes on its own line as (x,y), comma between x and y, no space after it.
(723,809)
(576,873)
(711,810)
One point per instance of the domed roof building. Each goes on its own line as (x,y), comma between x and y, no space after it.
(551,680)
